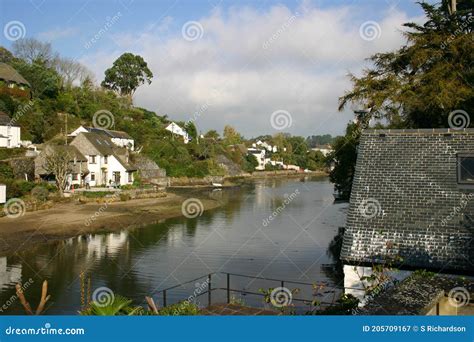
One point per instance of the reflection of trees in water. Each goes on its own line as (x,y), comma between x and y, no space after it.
(61,263)
(234,202)
(335,271)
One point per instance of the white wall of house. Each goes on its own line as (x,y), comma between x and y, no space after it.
(105,170)
(260,155)
(78,130)
(114,167)
(12,134)
(75,178)
(325,151)
(176,129)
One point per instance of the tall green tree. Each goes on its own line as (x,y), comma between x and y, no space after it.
(128,72)
(231,136)
(45,81)
(344,157)
(418,85)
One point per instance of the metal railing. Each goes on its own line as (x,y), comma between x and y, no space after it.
(229,290)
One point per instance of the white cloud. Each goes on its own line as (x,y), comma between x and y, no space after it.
(250,63)
(57,33)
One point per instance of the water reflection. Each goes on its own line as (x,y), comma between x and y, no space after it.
(137,262)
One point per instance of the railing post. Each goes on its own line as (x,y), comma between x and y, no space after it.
(228,288)
(209,289)
(282,283)
(164,298)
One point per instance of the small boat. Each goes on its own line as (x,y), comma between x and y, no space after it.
(217,185)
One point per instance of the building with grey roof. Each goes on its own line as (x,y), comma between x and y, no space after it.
(412,200)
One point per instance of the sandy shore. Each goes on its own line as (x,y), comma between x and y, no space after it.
(72,219)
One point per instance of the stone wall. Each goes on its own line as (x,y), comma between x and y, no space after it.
(406,204)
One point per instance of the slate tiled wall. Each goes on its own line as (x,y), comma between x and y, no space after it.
(406,202)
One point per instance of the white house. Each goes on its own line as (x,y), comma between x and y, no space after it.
(324,149)
(260,155)
(119,138)
(9,132)
(107,163)
(176,129)
(266,146)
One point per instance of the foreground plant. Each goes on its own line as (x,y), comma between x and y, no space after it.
(119,306)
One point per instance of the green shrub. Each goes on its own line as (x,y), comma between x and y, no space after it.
(40,193)
(17,188)
(6,172)
(180,309)
(97,194)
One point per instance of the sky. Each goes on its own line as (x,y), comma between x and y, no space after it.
(262,67)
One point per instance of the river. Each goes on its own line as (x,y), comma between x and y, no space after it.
(273,228)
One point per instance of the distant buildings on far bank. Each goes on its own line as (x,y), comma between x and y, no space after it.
(324,149)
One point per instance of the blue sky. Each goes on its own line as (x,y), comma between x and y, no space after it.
(250,58)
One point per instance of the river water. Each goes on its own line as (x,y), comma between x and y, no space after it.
(273,228)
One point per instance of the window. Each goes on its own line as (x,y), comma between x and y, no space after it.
(466,169)
(74,176)
(105,159)
(92,177)
(92,159)
(130,177)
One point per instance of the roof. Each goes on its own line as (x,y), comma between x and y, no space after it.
(106,147)
(110,133)
(122,156)
(5,120)
(76,156)
(9,74)
(417,295)
(406,203)
(72,150)
(102,143)
(176,129)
